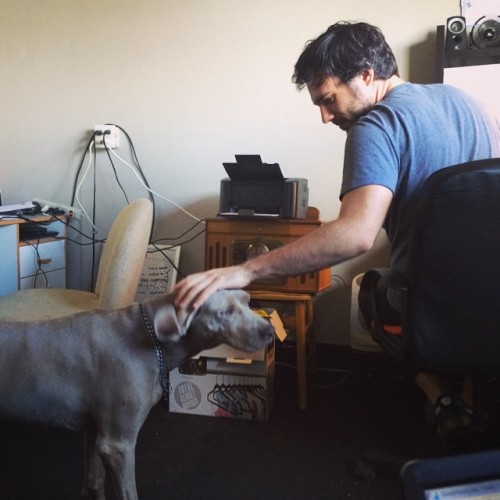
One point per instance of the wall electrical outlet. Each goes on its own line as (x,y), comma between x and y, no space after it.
(108,133)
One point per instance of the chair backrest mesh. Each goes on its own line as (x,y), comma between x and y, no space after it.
(454,270)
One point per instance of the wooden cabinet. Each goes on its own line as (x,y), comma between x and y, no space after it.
(31,263)
(232,241)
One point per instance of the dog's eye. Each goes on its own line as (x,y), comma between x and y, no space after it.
(230,310)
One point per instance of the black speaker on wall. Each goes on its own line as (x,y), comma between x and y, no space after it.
(456,34)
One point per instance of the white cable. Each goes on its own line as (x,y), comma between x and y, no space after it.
(87,218)
(150,190)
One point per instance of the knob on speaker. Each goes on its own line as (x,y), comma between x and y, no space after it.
(456,34)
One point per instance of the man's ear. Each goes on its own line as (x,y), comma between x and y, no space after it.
(368,76)
(165,323)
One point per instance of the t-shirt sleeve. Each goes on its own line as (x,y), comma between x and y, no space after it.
(370,156)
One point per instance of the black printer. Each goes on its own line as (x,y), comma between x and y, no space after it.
(256,189)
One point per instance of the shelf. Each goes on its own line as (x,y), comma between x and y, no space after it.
(471,57)
(37,241)
(34,263)
(461,58)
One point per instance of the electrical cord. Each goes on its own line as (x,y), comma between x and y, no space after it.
(89,160)
(164,251)
(189,240)
(135,157)
(169,247)
(35,242)
(75,196)
(173,238)
(136,170)
(94,256)
(39,270)
(154,192)
(80,166)
(139,169)
(339,279)
(81,233)
(115,172)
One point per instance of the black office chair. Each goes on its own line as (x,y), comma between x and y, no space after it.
(451,318)
(451,293)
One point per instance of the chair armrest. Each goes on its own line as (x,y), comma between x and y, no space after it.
(392,342)
(393,278)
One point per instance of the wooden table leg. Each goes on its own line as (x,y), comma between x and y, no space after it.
(311,337)
(300,318)
(303,317)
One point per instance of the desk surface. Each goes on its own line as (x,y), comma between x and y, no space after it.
(281,296)
(8,220)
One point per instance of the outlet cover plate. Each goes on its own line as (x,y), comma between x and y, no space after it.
(108,133)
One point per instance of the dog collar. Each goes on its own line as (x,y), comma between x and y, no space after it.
(188,323)
(164,381)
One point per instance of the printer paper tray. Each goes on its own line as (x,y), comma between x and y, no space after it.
(252,216)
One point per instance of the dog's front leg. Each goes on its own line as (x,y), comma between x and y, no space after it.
(95,473)
(118,458)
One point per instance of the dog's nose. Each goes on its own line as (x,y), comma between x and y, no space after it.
(267,332)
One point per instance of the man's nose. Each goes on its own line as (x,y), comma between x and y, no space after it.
(326,115)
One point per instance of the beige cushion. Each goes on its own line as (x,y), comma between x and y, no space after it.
(45,303)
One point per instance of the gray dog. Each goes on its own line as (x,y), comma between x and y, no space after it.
(103,371)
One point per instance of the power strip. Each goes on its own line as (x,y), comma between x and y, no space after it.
(68,211)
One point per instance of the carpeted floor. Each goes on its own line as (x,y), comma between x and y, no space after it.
(356,404)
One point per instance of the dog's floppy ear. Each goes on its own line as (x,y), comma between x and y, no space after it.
(165,322)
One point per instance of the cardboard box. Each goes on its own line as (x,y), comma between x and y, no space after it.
(225,382)
(217,388)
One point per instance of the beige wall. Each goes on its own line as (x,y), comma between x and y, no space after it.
(193,82)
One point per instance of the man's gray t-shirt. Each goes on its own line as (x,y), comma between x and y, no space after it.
(414,131)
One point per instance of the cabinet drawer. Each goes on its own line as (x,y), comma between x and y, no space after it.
(46,256)
(53,279)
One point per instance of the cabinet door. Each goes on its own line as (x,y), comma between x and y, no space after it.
(8,259)
(42,257)
(42,265)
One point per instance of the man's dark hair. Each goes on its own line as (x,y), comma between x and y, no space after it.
(344,51)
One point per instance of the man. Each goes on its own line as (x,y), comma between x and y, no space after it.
(398,134)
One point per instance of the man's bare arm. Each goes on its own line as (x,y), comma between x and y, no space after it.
(361,216)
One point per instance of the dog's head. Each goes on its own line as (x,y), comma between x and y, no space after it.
(224,318)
